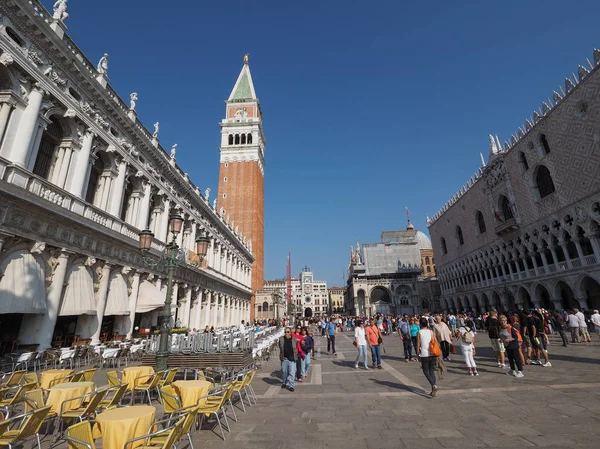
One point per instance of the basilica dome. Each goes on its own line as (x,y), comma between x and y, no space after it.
(423,241)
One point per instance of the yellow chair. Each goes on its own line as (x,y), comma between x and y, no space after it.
(88,375)
(89,404)
(189,415)
(118,393)
(146,387)
(29,429)
(113,379)
(77,377)
(170,400)
(239,386)
(213,406)
(7,403)
(169,378)
(14,379)
(79,436)
(171,434)
(31,378)
(249,386)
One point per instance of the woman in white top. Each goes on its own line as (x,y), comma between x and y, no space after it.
(466,337)
(427,360)
(360,341)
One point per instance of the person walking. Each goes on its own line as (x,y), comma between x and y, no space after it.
(573,322)
(510,340)
(493,327)
(414,330)
(307,348)
(330,331)
(360,341)
(287,355)
(595,319)
(444,336)
(374,340)
(559,325)
(299,353)
(583,329)
(404,333)
(424,337)
(466,338)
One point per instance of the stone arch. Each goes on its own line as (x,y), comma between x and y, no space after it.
(475,304)
(564,291)
(22,285)
(524,297)
(541,296)
(487,305)
(496,302)
(589,286)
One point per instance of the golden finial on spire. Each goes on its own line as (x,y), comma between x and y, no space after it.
(246,58)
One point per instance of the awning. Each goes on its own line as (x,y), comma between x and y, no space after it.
(22,287)
(117,302)
(78,297)
(150,297)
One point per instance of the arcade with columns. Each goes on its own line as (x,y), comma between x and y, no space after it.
(80,177)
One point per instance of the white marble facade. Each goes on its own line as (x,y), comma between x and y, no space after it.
(524,231)
(80,176)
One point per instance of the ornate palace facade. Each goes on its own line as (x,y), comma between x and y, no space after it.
(524,230)
(80,177)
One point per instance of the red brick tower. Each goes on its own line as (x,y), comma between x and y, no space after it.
(241,176)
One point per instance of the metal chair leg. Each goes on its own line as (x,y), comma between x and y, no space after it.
(220,426)
(242,400)
(233,410)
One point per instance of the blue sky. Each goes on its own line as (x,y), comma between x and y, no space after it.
(369,106)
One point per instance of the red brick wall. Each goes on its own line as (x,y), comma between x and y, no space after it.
(245,190)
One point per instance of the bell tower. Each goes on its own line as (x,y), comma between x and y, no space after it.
(242,169)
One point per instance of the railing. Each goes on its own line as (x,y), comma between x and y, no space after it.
(576,263)
(552,268)
(563,266)
(65,200)
(590,259)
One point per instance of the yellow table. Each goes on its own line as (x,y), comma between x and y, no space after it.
(132,372)
(118,425)
(47,377)
(190,391)
(61,392)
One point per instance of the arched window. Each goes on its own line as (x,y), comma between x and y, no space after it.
(259,308)
(95,174)
(480,222)
(237,139)
(243,139)
(249,138)
(428,269)
(15,37)
(459,236)
(523,161)
(544,143)
(230,139)
(506,209)
(265,306)
(50,139)
(544,182)
(426,260)
(444,247)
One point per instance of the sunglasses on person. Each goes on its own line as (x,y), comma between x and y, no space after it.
(287,332)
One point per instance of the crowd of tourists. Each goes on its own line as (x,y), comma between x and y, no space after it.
(519,339)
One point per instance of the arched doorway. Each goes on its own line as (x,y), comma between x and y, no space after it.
(564,292)
(477,309)
(525,298)
(542,296)
(308,313)
(361,306)
(591,288)
(496,302)
(380,301)
(486,303)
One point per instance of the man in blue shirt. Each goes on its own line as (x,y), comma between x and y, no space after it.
(331,335)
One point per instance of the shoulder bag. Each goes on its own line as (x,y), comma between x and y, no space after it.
(434,346)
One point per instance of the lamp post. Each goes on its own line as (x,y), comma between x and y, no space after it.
(171,257)
(276,298)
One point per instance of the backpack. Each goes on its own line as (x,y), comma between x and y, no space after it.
(467,337)
(517,333)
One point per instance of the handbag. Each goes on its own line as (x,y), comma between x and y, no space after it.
(452,349)
(434,346)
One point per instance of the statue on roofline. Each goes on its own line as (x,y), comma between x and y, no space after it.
(173,151)
(155,133)
(103,64)
(60,10)
(133,97)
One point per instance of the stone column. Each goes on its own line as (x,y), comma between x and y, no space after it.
(5,110)
(580,252)
(62,168)
(116,202)
(187,303)
(210,257)
(104,188)
(78,183)
(133,299)
(164,227)
(566,254)
(221,319)
(204,306)
(142,221)
(535,265)
(214,305)
(19,153)
(45,331)
(595,242)
(101,297)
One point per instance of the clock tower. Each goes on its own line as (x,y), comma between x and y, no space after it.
(242,169)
